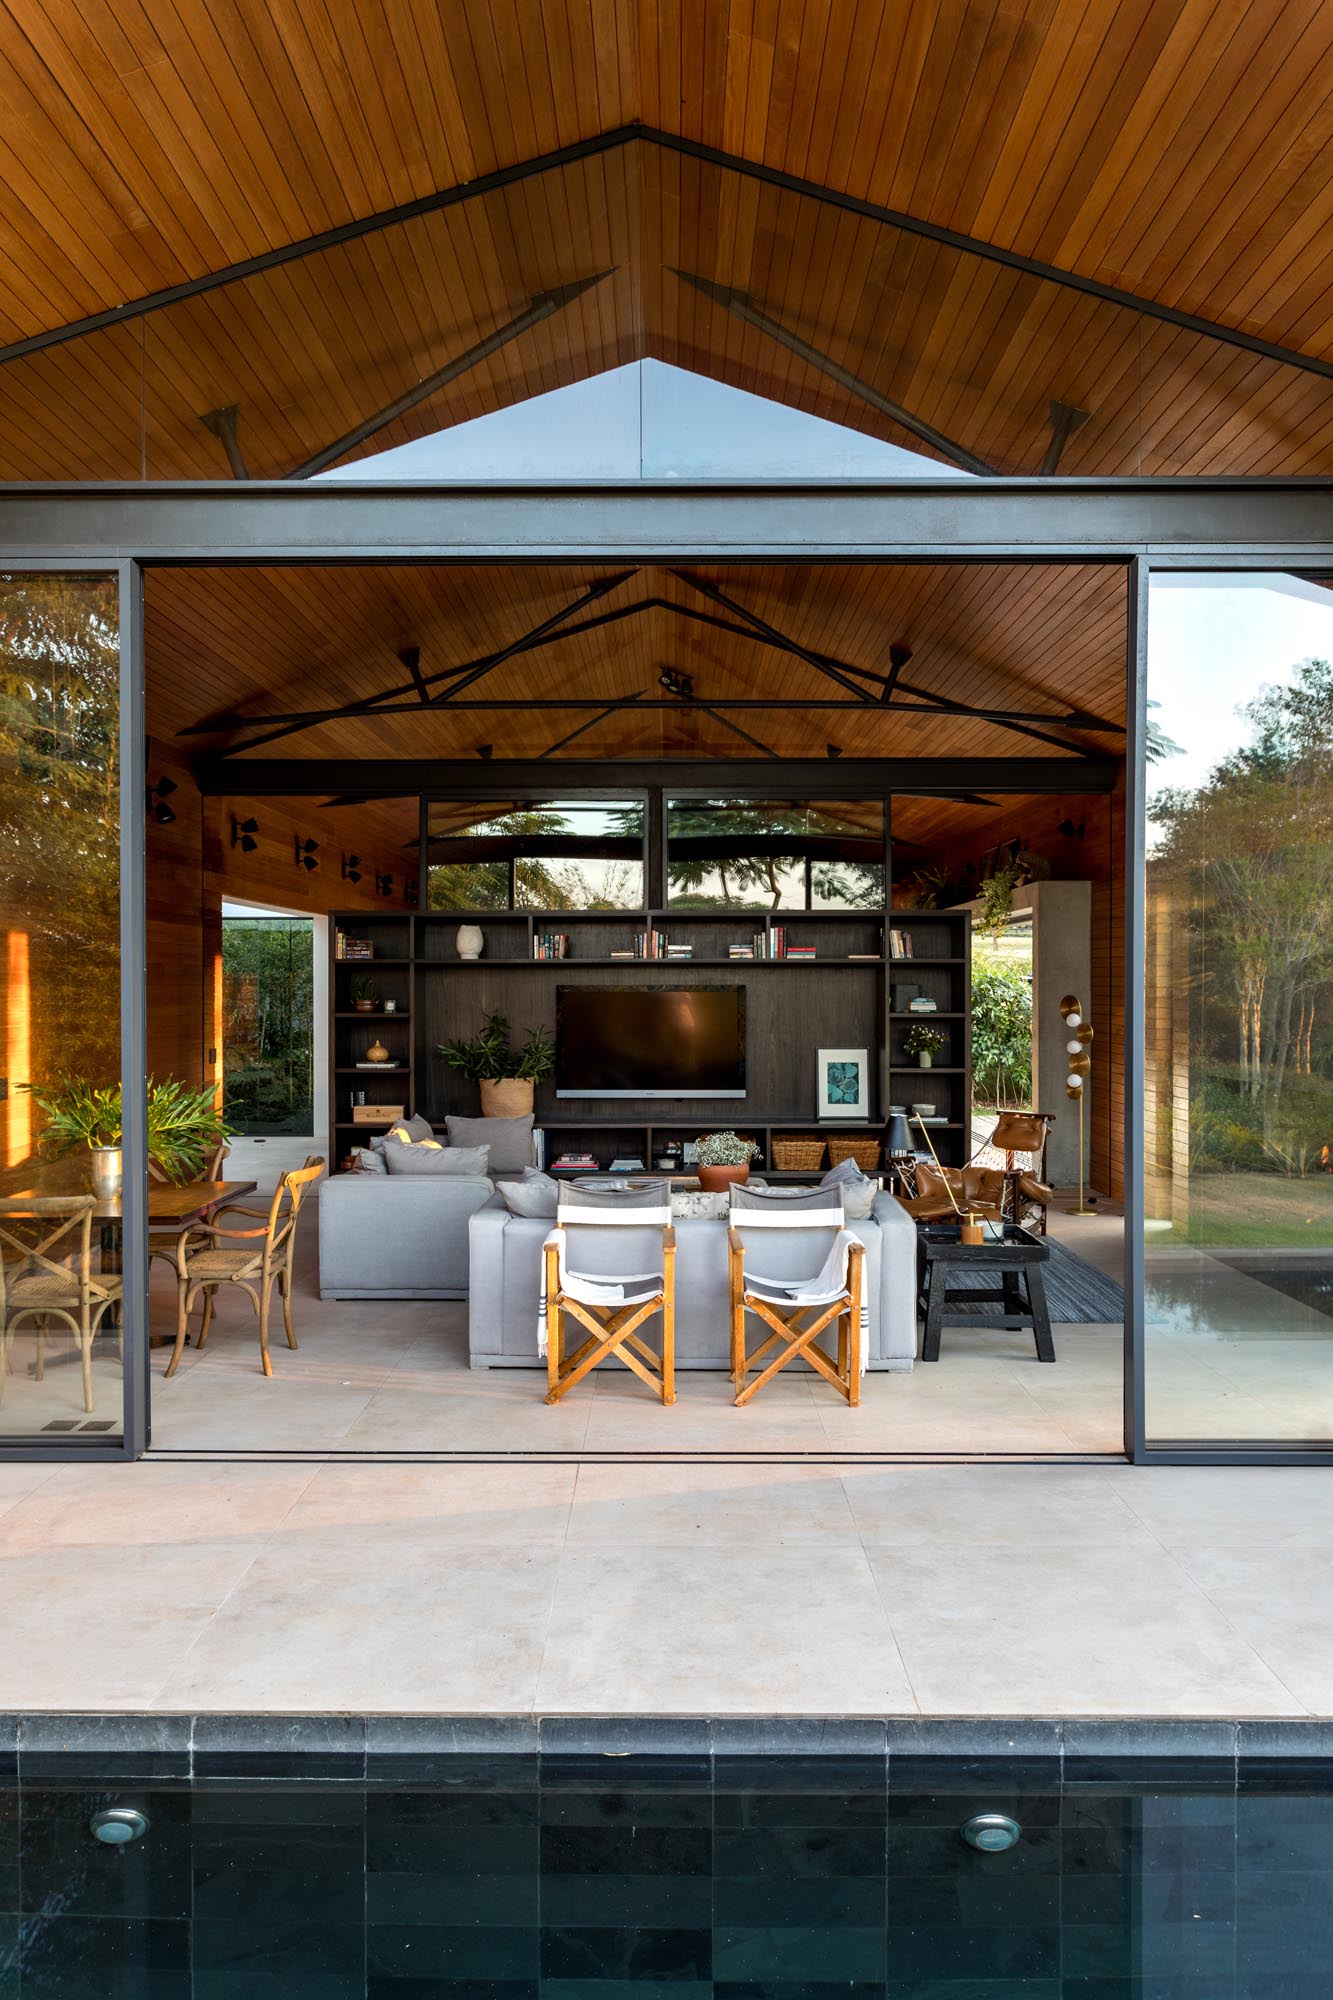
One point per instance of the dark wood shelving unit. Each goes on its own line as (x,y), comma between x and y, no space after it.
(415,963)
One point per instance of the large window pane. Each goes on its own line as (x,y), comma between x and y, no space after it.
(557,854)
(59,998)
(765,854)
(268,996)
(1239,1010)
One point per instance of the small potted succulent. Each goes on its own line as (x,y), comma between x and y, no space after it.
(924,1042)
(724,1157)
(365,995)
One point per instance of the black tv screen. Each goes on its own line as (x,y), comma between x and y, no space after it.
(644,1041)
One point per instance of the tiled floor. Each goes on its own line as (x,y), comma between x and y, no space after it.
(666,1589)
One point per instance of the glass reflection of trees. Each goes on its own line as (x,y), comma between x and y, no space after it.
(762,855)
(1246,861)
(59,836)
(268,992)
(600,869)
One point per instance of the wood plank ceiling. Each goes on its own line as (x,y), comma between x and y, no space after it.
(1176,148)
(1040,639)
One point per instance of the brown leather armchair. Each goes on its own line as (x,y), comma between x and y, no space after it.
(998,1194)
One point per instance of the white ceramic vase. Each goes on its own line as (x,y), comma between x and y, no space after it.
(469,941)
(924,1059)
(107,1172)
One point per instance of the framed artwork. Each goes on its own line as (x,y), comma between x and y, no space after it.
(842,1085)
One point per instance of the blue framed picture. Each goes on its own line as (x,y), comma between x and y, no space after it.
(842,1083)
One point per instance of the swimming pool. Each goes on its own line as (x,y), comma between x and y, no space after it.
(639,1878)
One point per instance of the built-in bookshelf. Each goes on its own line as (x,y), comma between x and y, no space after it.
(873,975)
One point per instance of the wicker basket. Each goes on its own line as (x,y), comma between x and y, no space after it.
(797,1156)
(864,1151)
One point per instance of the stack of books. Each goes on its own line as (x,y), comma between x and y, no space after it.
(626,1163)
(680,951)
(799,953)
(573,1163)
(650,944)
(350,947)
(551,944)
(741,951)
(900,944)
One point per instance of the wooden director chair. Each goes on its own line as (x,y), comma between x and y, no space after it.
(610,1264)
(807,1276)
(254,1260)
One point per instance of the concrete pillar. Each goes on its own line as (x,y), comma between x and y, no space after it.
(1061,963)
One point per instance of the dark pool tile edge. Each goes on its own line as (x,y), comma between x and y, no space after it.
(1308,1737)
(279,1746)
(110,1746)
(801,1736)
(396,1742)
(1106,1737)
(1002,1736)
(625,1736)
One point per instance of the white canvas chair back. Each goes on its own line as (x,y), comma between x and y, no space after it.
(788,1234)
(613,1234)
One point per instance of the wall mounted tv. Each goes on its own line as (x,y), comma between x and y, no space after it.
(644,1041)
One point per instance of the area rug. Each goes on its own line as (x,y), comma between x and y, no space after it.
(1077,1293)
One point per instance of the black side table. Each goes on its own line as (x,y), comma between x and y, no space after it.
(1013,1253)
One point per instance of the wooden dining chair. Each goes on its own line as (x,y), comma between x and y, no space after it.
(796,1266)
(46,1272)
(209,1255)
(609,1264)
(164,1236)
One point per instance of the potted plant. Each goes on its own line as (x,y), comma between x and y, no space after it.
(724,1157)
(184,1126)
(365,995)
(505,1079)
(923,1041)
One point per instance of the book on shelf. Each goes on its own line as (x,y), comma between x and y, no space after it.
(350,947)
(379,1065)
(551,944)
(626,1163)
(923,1004)
(569,1163)
(799,954)
(863,958)
(622,953)
(900,944)
(650,944)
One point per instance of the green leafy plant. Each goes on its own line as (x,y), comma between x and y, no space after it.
(726,1149)
(184,1125)
(365,992)
(1001,1033)
(488,1058)
(997,898)
(921,1039)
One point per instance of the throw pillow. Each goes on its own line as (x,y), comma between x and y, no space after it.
(536,1194)
(368,1162)
(411,1130)
(510,1140)
(858,1189)
(433,1159)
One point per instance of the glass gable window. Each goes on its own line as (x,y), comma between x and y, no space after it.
(774,855)
(1239,1010)
(559,854)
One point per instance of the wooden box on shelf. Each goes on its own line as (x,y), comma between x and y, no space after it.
(376,1114)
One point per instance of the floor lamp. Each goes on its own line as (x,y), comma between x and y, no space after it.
(1077,1048)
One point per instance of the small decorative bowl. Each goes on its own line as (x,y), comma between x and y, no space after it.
(924,1110)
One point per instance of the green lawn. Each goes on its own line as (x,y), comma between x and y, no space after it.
(1256,1211)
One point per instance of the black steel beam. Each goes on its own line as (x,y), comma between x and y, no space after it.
(542,306)
(1065,420)
(832,670)
(790,777)
(1184,522)
(674,142)
(223,424)
(735,300)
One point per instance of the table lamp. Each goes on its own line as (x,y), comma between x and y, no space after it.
(970,1227)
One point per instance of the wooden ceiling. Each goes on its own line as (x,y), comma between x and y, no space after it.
(224,644)
(1180,151)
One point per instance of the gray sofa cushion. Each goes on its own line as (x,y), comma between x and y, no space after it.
(510,1140)
(858,1190)
(369,1160)
(535,1194)
(435,1159)
(416,1127)
(397,1236)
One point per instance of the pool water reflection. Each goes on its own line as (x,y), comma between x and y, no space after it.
(765,1879)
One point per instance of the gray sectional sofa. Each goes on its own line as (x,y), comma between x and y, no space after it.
(390,1237)
(505,1275)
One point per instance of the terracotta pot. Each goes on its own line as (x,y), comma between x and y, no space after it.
(365,1006)
(506,1097)
(716,1180)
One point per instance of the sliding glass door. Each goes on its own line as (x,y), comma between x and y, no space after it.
(62,1230)
(1238,1011)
